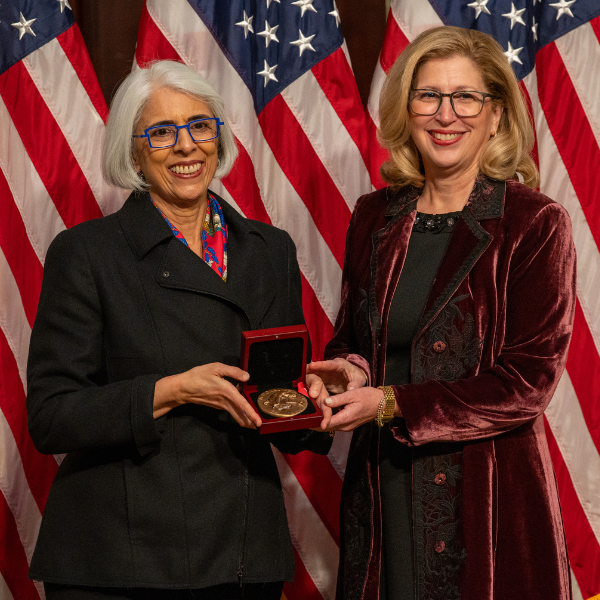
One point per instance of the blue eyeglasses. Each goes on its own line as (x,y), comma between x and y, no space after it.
(165,136)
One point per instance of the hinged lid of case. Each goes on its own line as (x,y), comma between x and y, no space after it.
(275,357)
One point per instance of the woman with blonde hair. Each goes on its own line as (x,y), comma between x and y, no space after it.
(457,307)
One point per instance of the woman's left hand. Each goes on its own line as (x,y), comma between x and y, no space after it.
(356,407)
(338,374)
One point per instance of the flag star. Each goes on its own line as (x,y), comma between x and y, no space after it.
(335,13)
(305,5)
(24,26)
(269,34)
(267,73)
(563,7)
(269,2)
(534,29)
(64,3)
(246,24)
(514,15)
(480,6)
(513,54)
(303,43)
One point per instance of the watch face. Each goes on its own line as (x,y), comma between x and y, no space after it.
(282,402)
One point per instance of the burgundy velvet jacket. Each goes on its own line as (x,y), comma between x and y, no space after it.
(489,351)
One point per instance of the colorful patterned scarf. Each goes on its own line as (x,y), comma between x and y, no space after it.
(214,236)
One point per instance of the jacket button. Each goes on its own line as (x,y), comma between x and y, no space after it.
(439,546)
(440,479)
(166,273)
(439,347)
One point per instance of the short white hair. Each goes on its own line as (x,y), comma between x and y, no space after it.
(118,150)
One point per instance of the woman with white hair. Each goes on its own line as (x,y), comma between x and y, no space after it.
(167,490)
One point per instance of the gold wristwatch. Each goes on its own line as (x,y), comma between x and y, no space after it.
(385,410)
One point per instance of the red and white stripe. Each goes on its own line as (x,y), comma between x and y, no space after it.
(565,99)
(561,93)
(52,121)
(406,20)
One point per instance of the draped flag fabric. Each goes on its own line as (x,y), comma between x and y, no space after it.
(307,152)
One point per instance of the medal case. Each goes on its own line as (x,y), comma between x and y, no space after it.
(276,358)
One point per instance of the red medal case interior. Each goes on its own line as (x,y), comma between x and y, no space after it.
(276,358)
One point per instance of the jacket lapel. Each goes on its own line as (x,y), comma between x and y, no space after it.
(142,224)
(469,241)
(390,245)
(248,261)
(250,270)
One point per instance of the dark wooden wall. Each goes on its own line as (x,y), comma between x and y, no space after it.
(110,27)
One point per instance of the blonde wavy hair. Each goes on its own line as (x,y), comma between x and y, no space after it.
(506,156)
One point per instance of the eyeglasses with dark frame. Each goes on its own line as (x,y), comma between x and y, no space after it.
(165,136)
(465,103)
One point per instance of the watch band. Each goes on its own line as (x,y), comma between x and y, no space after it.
(385,410)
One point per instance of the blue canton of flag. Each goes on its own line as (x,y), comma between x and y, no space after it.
(522,27)
(271,43)
(26,25)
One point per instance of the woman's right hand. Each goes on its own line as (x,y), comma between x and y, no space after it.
(338,375)
(206,385)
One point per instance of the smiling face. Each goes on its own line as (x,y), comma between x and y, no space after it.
(182,173)
(449,144)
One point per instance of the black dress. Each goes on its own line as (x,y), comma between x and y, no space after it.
(427,246)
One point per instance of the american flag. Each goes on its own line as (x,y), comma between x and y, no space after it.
(307,151)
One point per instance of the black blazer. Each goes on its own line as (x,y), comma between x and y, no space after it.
(190,499)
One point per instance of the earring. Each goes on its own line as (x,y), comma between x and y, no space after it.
(493,135)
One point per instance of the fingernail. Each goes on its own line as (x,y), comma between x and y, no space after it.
(328,401)
(350,388)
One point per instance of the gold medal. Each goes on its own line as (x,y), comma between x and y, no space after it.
(282,402)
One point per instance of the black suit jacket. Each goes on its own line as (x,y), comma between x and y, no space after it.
(187,500)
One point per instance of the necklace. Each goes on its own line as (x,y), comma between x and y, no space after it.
(435,223)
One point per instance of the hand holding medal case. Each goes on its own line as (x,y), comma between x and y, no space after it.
(276,361)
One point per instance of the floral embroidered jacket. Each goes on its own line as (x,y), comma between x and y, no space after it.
(489,351)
